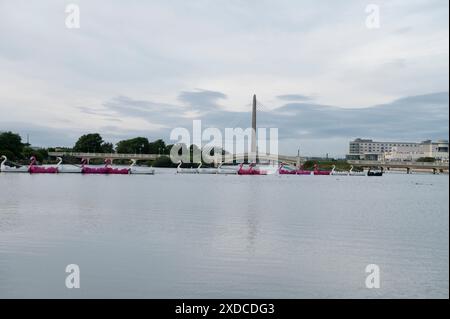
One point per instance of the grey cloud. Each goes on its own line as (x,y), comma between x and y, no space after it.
(295,97)
(124,106)
(41,135)
(127,106)
(201,99)
(157,112)
(412,118)
(416,117)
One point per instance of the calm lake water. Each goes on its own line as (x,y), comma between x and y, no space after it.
(196,236)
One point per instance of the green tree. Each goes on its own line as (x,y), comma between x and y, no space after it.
(157,147)
(426,160)
(11,142)
(92,143)
(309,164)
(40,154)
(167,149)
(107,148)
(164,161)
(138,145)
(10,155)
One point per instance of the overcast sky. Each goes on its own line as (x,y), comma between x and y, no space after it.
(144,67)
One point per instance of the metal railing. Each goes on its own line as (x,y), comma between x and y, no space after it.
(400,164)
(107,155)
(224,158)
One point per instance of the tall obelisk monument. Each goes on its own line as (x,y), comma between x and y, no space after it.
(254,148)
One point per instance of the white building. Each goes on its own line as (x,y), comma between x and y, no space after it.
(366,149)
(437,150)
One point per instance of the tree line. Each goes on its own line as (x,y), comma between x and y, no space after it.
(11,146)
(94,143)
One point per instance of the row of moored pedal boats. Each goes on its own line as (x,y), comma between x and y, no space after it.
(84,168)
(108,169)
(283,169)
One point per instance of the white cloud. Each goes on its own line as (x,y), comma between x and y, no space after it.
(154,50)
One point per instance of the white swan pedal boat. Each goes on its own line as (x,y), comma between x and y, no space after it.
(9,169)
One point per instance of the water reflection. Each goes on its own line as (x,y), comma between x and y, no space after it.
(173,236)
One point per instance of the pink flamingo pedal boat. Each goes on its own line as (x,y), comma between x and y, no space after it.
(106,170)
(286,170)
(251,170)
(34,169)
(319,172)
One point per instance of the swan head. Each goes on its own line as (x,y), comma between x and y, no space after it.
(4,157)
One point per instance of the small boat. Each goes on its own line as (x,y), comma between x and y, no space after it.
(206,170)
(353,173)
(286,170)
(334,172)
(92,170)
(377,172)
(251,170)
(140,170)
(302,171)
(233,170)
(65,169)
(106,170)
(320,172)
(116,171)
(9,169)
(34,169)
(181,170)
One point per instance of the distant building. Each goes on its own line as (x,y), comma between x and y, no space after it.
(365,149)
(437,150)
